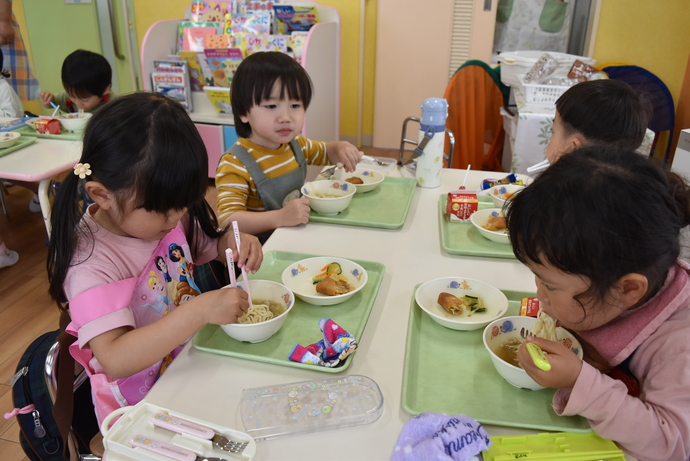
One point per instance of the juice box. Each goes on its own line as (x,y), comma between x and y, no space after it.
(48,125)
(461,204)
(529,307)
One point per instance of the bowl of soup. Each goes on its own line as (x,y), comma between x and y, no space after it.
(488,222)
(74,122)
(504,192)
(9,138)
(503,337)
(307,280)
(364,179)
(271,304)
(329,197)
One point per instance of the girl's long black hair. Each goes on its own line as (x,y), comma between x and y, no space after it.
(143,148)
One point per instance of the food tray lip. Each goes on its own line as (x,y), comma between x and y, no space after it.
(375,271)
(500,251)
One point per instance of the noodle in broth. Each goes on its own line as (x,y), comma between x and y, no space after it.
(261,310)
(544,327)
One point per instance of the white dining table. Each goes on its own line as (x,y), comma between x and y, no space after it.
(40,162)
(208,386)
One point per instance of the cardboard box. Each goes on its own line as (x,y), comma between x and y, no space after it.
(48,126)
(461,204)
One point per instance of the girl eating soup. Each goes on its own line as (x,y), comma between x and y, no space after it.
(145,166)
(600,231)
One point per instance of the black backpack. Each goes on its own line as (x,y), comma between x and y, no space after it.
(42,432)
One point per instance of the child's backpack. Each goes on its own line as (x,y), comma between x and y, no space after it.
(44,423)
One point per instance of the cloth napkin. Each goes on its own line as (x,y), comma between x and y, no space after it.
(439,437)
(335,346)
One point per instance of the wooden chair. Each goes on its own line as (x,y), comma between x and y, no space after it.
(475,95)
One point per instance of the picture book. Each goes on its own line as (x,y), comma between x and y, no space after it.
(258,5)
(256,43)
(182,25)
(218,41)
(220,98)
(295,44)
(193,38)
(196,75)
(204,10)
(255,23)
(205,68)
(229,68)
(171,78)
(215,57)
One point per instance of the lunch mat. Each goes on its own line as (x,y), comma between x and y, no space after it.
(462,238)
(66,135)
(302,323)
(22,142)
(384,207)
(450,371)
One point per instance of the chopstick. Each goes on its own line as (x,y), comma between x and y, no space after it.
(236,230)
(231,267)
(539,166)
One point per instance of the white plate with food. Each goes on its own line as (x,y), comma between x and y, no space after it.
(461,303)
(324,280)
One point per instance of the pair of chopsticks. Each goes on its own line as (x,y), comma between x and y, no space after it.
(231,264)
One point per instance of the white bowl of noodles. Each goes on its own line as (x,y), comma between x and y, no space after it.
(503,336)
(329,197)
(269,298)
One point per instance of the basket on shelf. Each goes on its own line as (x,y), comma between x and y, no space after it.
(543,94)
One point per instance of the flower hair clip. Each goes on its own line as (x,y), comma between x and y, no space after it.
(82,170)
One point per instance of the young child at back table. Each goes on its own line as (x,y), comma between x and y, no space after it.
(86,77)
(598,112)
(271,93)
(599,230)
(125,268)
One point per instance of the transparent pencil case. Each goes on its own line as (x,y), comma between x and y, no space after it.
(310,406)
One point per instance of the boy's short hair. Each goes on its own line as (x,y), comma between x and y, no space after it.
(606,112)
(86,74)
(254,80)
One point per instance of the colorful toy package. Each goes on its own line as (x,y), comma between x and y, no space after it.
(294,18)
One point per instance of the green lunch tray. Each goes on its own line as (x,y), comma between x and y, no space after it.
(22,142)
(302,323)
(384,207)
(558,446)
(66,135)
(450,371)
(460,238)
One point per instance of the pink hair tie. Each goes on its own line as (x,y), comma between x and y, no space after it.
(20,411)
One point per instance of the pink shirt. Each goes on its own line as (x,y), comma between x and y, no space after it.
(126,282)
(656,425)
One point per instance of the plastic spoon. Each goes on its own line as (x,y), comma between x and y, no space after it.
(538,356)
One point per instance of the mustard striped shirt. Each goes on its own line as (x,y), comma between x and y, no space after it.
(237,189)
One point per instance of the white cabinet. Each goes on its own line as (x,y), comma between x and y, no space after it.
(321,59)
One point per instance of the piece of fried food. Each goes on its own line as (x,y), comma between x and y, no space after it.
(451,303)
(354,180)
(333,287)
(495,223)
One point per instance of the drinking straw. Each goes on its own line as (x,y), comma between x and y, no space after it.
(231,267)
(466,174)
(236,230)
(538,166)
(56,109)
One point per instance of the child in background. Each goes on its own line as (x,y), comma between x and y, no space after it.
(601,112)
(10,104)
(145,166)
(599,230)
(7,256)
(270,94)
(86,77)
